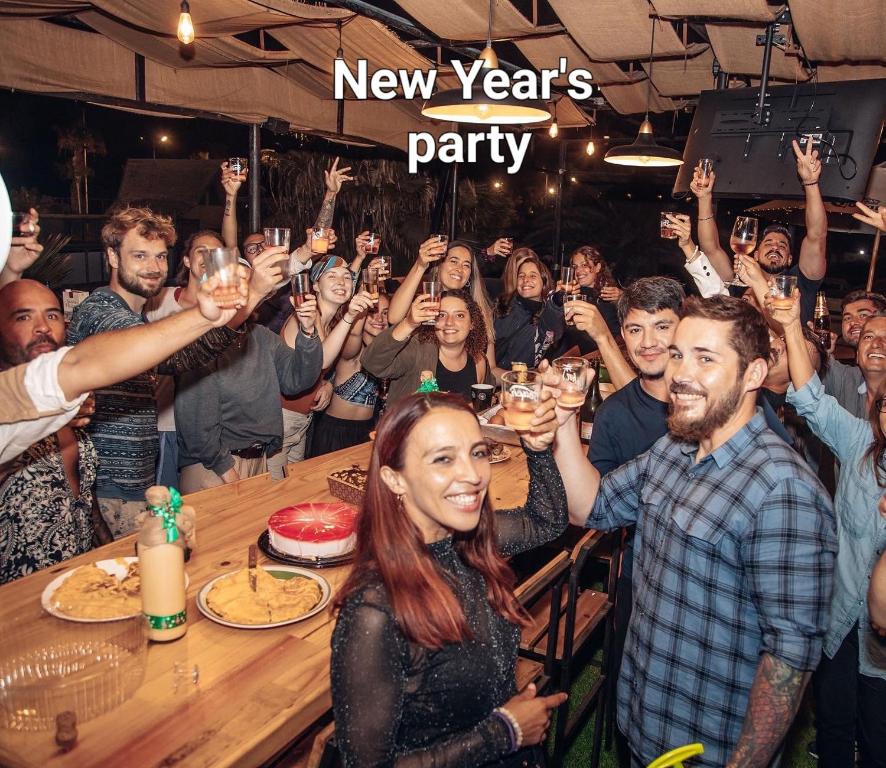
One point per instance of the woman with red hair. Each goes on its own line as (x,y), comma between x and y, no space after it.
(425,648)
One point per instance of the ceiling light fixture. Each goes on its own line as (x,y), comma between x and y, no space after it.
(451,106)
(644,152)
(554,129)
(185,31)
(487,55)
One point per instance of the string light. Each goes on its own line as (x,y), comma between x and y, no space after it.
(590,148)
(554,129)
(185,32)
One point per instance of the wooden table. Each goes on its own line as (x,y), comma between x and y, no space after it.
(258,690)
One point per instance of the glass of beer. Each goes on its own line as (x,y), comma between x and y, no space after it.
(569,300)
(568,279)
(666,226)
(320,241)
(705,166)
(742,241)
(238,165)
(575,378)
(432,289)
(223,263)
(520,396)
(301,287)
(373,243)
(782,290)
(370,282)
(279,237)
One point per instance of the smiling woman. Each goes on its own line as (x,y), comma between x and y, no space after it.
(428,624)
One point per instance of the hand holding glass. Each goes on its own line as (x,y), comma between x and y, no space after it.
(782,290)
(370,283)
(223,263)
(743,241)
(432,289)
(521,394)
(320,240)
(575,378)
(301,287)
(569,301)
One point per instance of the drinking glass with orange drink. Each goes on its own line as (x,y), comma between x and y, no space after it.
(520,395)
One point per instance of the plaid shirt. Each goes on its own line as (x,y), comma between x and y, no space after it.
(734,557)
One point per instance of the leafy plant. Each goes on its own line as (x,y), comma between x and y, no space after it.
(52,267)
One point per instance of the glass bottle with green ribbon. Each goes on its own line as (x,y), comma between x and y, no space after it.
(161,557)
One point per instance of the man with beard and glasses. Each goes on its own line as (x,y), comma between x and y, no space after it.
(734,550)
(775,245)
(124,427)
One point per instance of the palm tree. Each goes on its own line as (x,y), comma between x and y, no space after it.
(76,144)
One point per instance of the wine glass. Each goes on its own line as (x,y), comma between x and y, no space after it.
(742,241)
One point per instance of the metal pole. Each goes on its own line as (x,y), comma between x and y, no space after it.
(254,177)
(873,267)
(139,77)
(453,204)
(558,203)
(760,116)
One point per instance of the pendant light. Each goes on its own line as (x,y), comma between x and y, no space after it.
(185,31)
(644,152)
(490,60)
(554,129)
(451,106)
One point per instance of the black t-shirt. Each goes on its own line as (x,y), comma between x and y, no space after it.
(808,290)
(457,382)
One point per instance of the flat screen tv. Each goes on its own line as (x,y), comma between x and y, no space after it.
(754,158)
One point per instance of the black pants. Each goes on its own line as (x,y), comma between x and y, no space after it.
(849,706)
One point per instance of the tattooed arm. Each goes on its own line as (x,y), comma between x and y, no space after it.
(334,179)
(775,697)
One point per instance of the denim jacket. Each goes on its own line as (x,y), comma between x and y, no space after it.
(861,530)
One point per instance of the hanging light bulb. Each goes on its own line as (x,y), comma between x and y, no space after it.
(487,55)
(185,31)
(590,148)
(553,130)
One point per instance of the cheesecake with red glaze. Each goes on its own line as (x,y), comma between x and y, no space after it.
(313,530)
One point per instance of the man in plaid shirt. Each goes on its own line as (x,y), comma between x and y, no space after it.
(734,553)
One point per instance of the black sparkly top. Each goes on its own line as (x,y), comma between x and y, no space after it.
(400,704)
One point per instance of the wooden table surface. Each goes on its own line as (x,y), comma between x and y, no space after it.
(258,690)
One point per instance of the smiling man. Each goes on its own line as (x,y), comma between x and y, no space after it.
(124,427)
(774,251)
(848,383)
(734,552)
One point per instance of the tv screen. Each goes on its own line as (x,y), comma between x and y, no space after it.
(754,158)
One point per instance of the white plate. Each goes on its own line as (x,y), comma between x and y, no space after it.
(325,595)
(117,567)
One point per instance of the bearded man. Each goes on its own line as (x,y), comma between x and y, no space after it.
(124,426)
(734,552)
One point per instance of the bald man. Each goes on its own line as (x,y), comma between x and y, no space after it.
(46,501)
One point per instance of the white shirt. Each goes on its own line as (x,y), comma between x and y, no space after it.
(46,396)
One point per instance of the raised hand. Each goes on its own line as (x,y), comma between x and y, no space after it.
(543,427)
(211,311)
(586,317)
(24,251)
(869,216)
(808,163)
(431,250)
(361,243)
(702,188)
(230,180)
(336,176)
(361,302)
(610,293)
(267,270)
(306,314)
(748,270)
(422,308)
(501,247)
(682,226)
(785,314)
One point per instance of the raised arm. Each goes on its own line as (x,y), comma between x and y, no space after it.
(333,178)
(587,318)
(813,249)
(801,368)
(428,252)
(230,182)
(580,478)
(23,252)
(708,236)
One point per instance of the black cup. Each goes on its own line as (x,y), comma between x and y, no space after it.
(481,396)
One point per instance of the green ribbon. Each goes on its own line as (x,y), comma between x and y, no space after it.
(169,512)
(167,622)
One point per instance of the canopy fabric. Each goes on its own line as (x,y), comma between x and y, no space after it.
(747,10)
(860,35)
(611,38)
